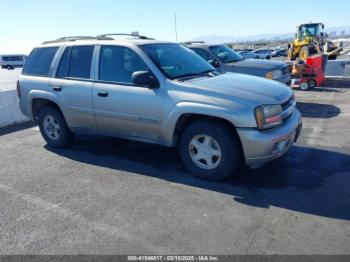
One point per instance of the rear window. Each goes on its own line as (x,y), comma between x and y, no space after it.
(75,62)
(39,61)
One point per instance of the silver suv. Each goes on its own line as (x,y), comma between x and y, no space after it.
(157,92)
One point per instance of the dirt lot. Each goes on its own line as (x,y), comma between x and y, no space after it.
(111,196)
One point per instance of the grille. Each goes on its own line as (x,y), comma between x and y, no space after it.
(288,107)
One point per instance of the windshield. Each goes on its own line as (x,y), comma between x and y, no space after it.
(225,54)
(177,61)
(310,30)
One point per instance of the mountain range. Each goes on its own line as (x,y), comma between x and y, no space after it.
(333,31)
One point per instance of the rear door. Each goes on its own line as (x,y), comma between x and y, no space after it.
(121,107)
(73,84)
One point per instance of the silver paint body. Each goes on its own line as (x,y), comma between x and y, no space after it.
(151,115)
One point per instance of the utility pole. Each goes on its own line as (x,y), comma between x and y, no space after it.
(175,28)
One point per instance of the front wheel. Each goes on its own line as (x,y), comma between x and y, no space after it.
(53,127)
(210,150)
(312,83)
(304,53)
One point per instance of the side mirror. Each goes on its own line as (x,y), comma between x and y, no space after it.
(214,63)
(144,79)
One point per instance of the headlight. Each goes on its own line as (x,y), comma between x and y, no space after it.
(275,74)
(268,116)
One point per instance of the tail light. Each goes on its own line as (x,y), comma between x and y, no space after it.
(18,89)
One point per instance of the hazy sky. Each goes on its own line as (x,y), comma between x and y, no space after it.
(28,23)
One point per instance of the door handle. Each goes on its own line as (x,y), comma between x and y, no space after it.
(102,94)
(57,88)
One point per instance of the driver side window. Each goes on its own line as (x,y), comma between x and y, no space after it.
(117,64)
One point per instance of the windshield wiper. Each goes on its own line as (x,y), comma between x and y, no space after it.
(194,74)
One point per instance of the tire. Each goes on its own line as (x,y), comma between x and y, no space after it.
(312,83)
(268,57)
(53,127)
(222,141)
(9,67)
(304,53)
(304,86)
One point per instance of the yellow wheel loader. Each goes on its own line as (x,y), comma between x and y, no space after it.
(310,39)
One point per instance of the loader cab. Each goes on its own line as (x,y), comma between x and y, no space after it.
(309,31)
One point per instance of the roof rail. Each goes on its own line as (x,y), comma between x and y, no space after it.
(135,34)
(193,42)
(75,38)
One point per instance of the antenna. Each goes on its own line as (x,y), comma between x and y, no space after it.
(175,28)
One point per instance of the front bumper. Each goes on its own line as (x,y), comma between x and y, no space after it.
(260,147)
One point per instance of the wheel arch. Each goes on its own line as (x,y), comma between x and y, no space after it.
(39,103)
(185,119)
(38,100)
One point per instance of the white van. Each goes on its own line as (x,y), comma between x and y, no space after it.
(12,61)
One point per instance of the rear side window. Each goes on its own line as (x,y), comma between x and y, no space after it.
(80,61)
(76,62)
(63,67)
(39,61)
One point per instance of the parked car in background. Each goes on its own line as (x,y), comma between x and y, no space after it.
(263,53)
(158,92)
(247,54)
(279,53)
(225,59)
(12,61)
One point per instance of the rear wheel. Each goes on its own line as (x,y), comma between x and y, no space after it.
(210,150)
(9,67)
(53,127)
(304,86)
(290,53)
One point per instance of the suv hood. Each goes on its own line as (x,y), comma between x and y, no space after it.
(240,88)
(258,67)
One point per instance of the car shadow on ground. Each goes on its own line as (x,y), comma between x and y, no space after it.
(16,127)
(306,180)
(317,110)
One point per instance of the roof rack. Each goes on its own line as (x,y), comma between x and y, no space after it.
(193,42)
(134,34)
(75,38)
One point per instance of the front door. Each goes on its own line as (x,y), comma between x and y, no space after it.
(121,107)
